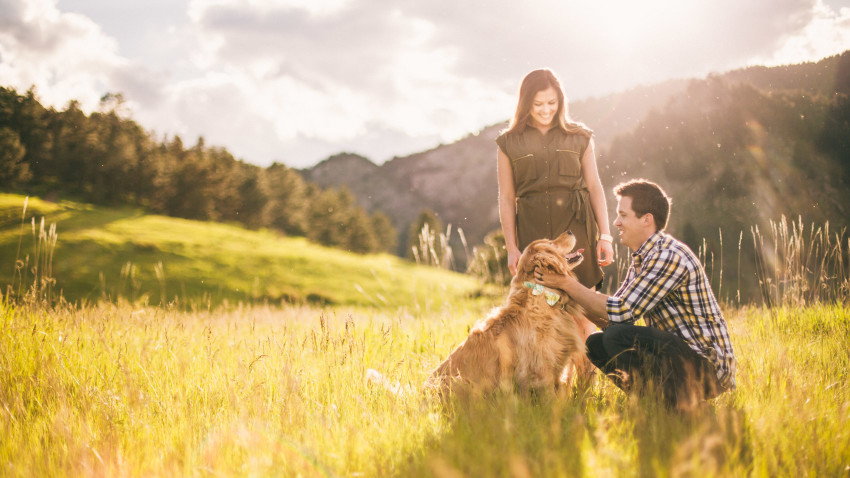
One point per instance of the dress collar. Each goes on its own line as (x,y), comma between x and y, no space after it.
(530,129)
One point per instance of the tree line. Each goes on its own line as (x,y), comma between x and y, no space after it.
(107,159)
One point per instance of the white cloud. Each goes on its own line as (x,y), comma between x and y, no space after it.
(65,56)
(827,33)
(338,74)
(298,80)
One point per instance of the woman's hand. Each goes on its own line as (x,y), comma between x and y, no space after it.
(513,258)
(605,252)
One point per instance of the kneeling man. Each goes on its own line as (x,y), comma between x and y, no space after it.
(684,350)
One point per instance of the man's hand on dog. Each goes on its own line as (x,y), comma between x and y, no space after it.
(550,279)
(557,281)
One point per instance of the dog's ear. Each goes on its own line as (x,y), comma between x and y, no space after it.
(553,262)
(526,268)
(559,266)
(524,265)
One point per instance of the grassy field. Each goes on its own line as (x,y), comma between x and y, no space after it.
(180,364)
(112,390)
(123,253)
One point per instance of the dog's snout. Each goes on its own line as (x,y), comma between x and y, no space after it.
(570,232)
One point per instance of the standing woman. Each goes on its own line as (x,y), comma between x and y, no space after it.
(548,180)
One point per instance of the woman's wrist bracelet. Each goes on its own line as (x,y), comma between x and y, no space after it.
(606,237)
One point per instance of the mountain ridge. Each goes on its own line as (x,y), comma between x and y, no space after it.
(458,181)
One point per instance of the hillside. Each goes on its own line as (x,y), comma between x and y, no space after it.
(774,138)
(112,253)
(106,158)
(736,160)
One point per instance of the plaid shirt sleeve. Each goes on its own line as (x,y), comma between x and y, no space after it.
(659,274)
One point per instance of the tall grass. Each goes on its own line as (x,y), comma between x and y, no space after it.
(433,247)
(794,265)
(799,265)
(118,390)
(33,279)
(121,390)
(490,260)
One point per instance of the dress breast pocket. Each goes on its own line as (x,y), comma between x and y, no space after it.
(525,169)
(569,163)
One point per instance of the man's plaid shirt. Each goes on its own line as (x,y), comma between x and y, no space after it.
(667,287)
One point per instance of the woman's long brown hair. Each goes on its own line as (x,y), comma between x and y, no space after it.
(534,82)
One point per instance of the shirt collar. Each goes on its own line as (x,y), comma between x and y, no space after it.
(638,255)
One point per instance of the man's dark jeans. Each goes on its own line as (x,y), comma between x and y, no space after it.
(653,358)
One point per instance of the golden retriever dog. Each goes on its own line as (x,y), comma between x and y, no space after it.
(523,345)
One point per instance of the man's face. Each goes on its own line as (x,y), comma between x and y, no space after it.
(630,226)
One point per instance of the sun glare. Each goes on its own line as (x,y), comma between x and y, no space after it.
(628,25)
(312,6)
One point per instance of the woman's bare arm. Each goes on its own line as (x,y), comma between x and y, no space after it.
(507,207)
(604,249)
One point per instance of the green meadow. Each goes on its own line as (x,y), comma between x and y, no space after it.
(264,381)
(109,254)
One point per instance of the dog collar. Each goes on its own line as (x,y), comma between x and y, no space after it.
(551,296)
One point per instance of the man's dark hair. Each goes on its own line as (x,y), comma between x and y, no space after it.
(647,197)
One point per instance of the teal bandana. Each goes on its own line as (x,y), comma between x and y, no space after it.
(537,289)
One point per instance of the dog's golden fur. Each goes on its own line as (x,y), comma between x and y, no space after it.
(524,344)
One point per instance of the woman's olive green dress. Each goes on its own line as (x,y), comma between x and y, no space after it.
(551,193)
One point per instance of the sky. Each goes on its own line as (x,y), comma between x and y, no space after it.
(295,81)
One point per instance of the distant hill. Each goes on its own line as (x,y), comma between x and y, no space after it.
(776,137)
(737,158)
(125,253)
